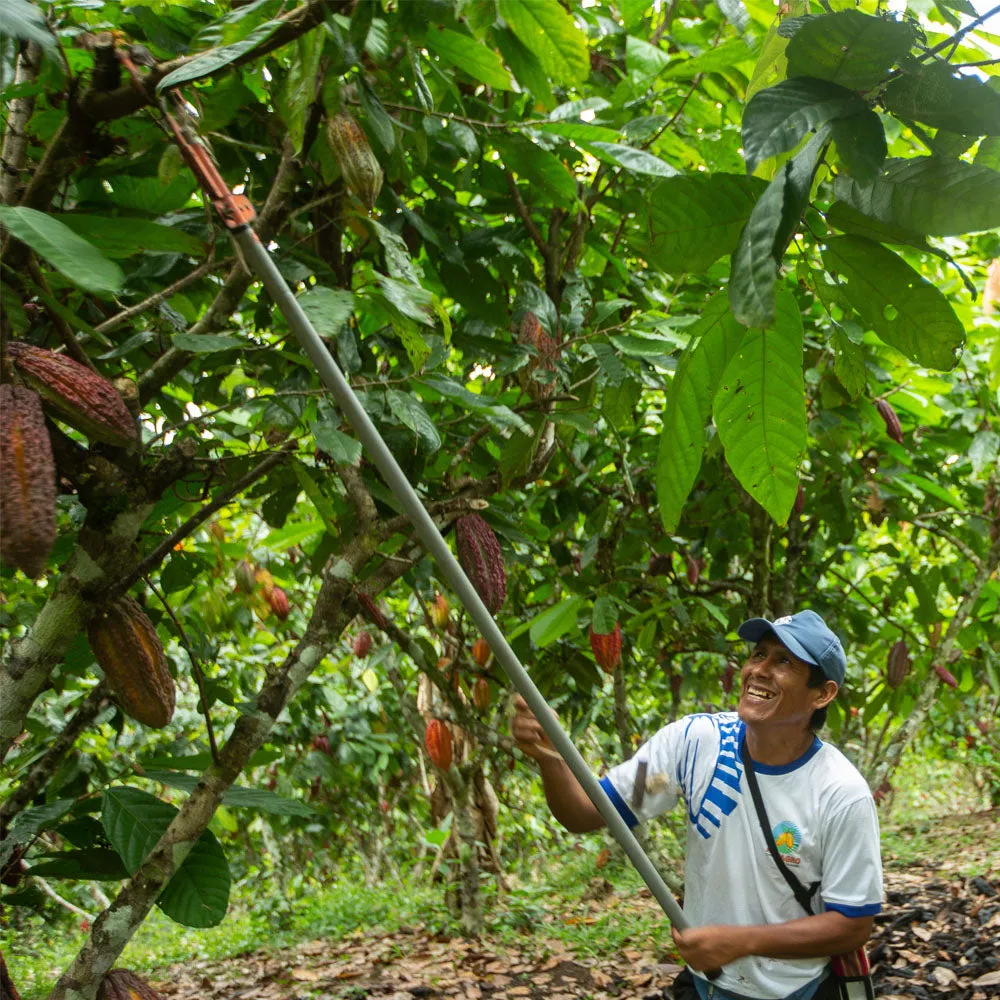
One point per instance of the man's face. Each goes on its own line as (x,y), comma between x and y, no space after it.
(775,690)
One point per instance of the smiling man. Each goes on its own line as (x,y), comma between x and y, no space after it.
(744,917)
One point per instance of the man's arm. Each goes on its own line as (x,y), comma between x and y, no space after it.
(829,933)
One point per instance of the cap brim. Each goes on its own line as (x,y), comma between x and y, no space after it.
(756,628)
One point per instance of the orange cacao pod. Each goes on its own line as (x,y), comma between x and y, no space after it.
(607,647)
(440,610)
(278,600)
(481,694)
(264,580)
(122,984)
(246,581)
(946,675)
(130,653)
(892,425)
(371,609)
(898,664)
(481,652)
(438,742)
(27,482)
(353,153)
(78,395)
(362,645)
(481,558)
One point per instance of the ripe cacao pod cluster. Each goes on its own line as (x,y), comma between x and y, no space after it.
(897,665)
(607,647)
(122,984)
(360,167)
(128,650)
(437,739)
(888,415)
(480,556)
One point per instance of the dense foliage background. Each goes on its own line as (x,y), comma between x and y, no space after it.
(745,232)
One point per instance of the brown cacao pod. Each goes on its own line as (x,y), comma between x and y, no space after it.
(481,694)
(481,652)
(353,153)
(122,984)
(278,600)
(8,991)
(78,395)
(898,664)
(362,645)
(693,568)
(437,739)
(27,482)
(372,611)
(130,653)
(892,425)
(246,582)
(946,675)
(607,647)
(546,349)
(440,610)
(481,558)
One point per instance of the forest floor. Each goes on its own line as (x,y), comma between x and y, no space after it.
(938,936)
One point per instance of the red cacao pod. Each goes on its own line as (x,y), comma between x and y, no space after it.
(881,792)
(384,805)
(372,611)
(946,675)
(440,610)
(121,984)
(77,394)
(481,558)
(607,648)
(481,694)
(481,652)
(27,482)
(362,645)
(246,581)
(438,742)
(531,334)
(278,600)
(130,653)
(360,167)
(321,743)
(800,500)
(898,664)
(888,415)
(728,677)
(693,568)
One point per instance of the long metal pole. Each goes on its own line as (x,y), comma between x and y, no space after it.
(260,262)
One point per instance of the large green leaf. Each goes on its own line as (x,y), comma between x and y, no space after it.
(861,144)
(903,308)
(206,63)
(555,621)
(551,34)
(299,90)
(485,405)
(539,167)
(409,412)
(525,66)
(97,864)
(20,19)
(692,221)
(779,118)
(635,161)
(848,219)
(932,95)
(468,55)
(63,249)
(714,339)
(723,57)
(328,309)
(850,48)
(119,237)
(930,195)
(258,799)
(760,410)
(198,893)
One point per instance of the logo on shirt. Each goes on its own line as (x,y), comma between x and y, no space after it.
(788,840)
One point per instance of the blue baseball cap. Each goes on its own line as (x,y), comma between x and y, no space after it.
(807,636)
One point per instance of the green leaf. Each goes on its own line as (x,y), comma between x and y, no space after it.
(539,167)
(760,410)
(848,219)
(578,132)
(484,405)
(409,412)
(619,403)
(410,300)
(207,343)
(379,120)
(644,61)
(861,145)
(849,364)
(118,237)
(150,194)
(519,451)
(29,823)
(722,58)
(468,55)
(237,797)
(779,118)
(903,308)
(298,92)
(930,195)
(68,253)
(341,447)
(555,622)
(97,864)
(635,161)
(605,615)
(209,62)
(198,893)
(988,154)
(714,339)
(524,65)
(423,93)
(19,19)
(552,35)
(317,498)
(932,95)
(693,220)
(852,49)
(328,309)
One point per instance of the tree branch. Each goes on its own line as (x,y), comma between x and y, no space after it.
(19,112)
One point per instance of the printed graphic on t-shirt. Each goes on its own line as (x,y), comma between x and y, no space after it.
(724,789)
(788,840)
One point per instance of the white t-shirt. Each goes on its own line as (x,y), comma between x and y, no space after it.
(822,817)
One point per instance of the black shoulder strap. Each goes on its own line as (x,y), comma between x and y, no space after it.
(803,895)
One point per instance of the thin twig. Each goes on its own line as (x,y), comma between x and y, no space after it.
(66,335)
(961,33)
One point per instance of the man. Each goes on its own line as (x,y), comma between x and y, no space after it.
(744,917)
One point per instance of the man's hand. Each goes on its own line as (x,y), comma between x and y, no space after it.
(709,947)
(528,733)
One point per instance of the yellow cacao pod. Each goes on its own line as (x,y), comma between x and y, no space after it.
(358,164)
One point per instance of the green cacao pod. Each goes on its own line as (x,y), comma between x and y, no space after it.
(246,582)
(898,664)
(481,558)
(607,647)
(27,482)
(122,984)
(437,739)
(359,165)
(77,395)
(131,655)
